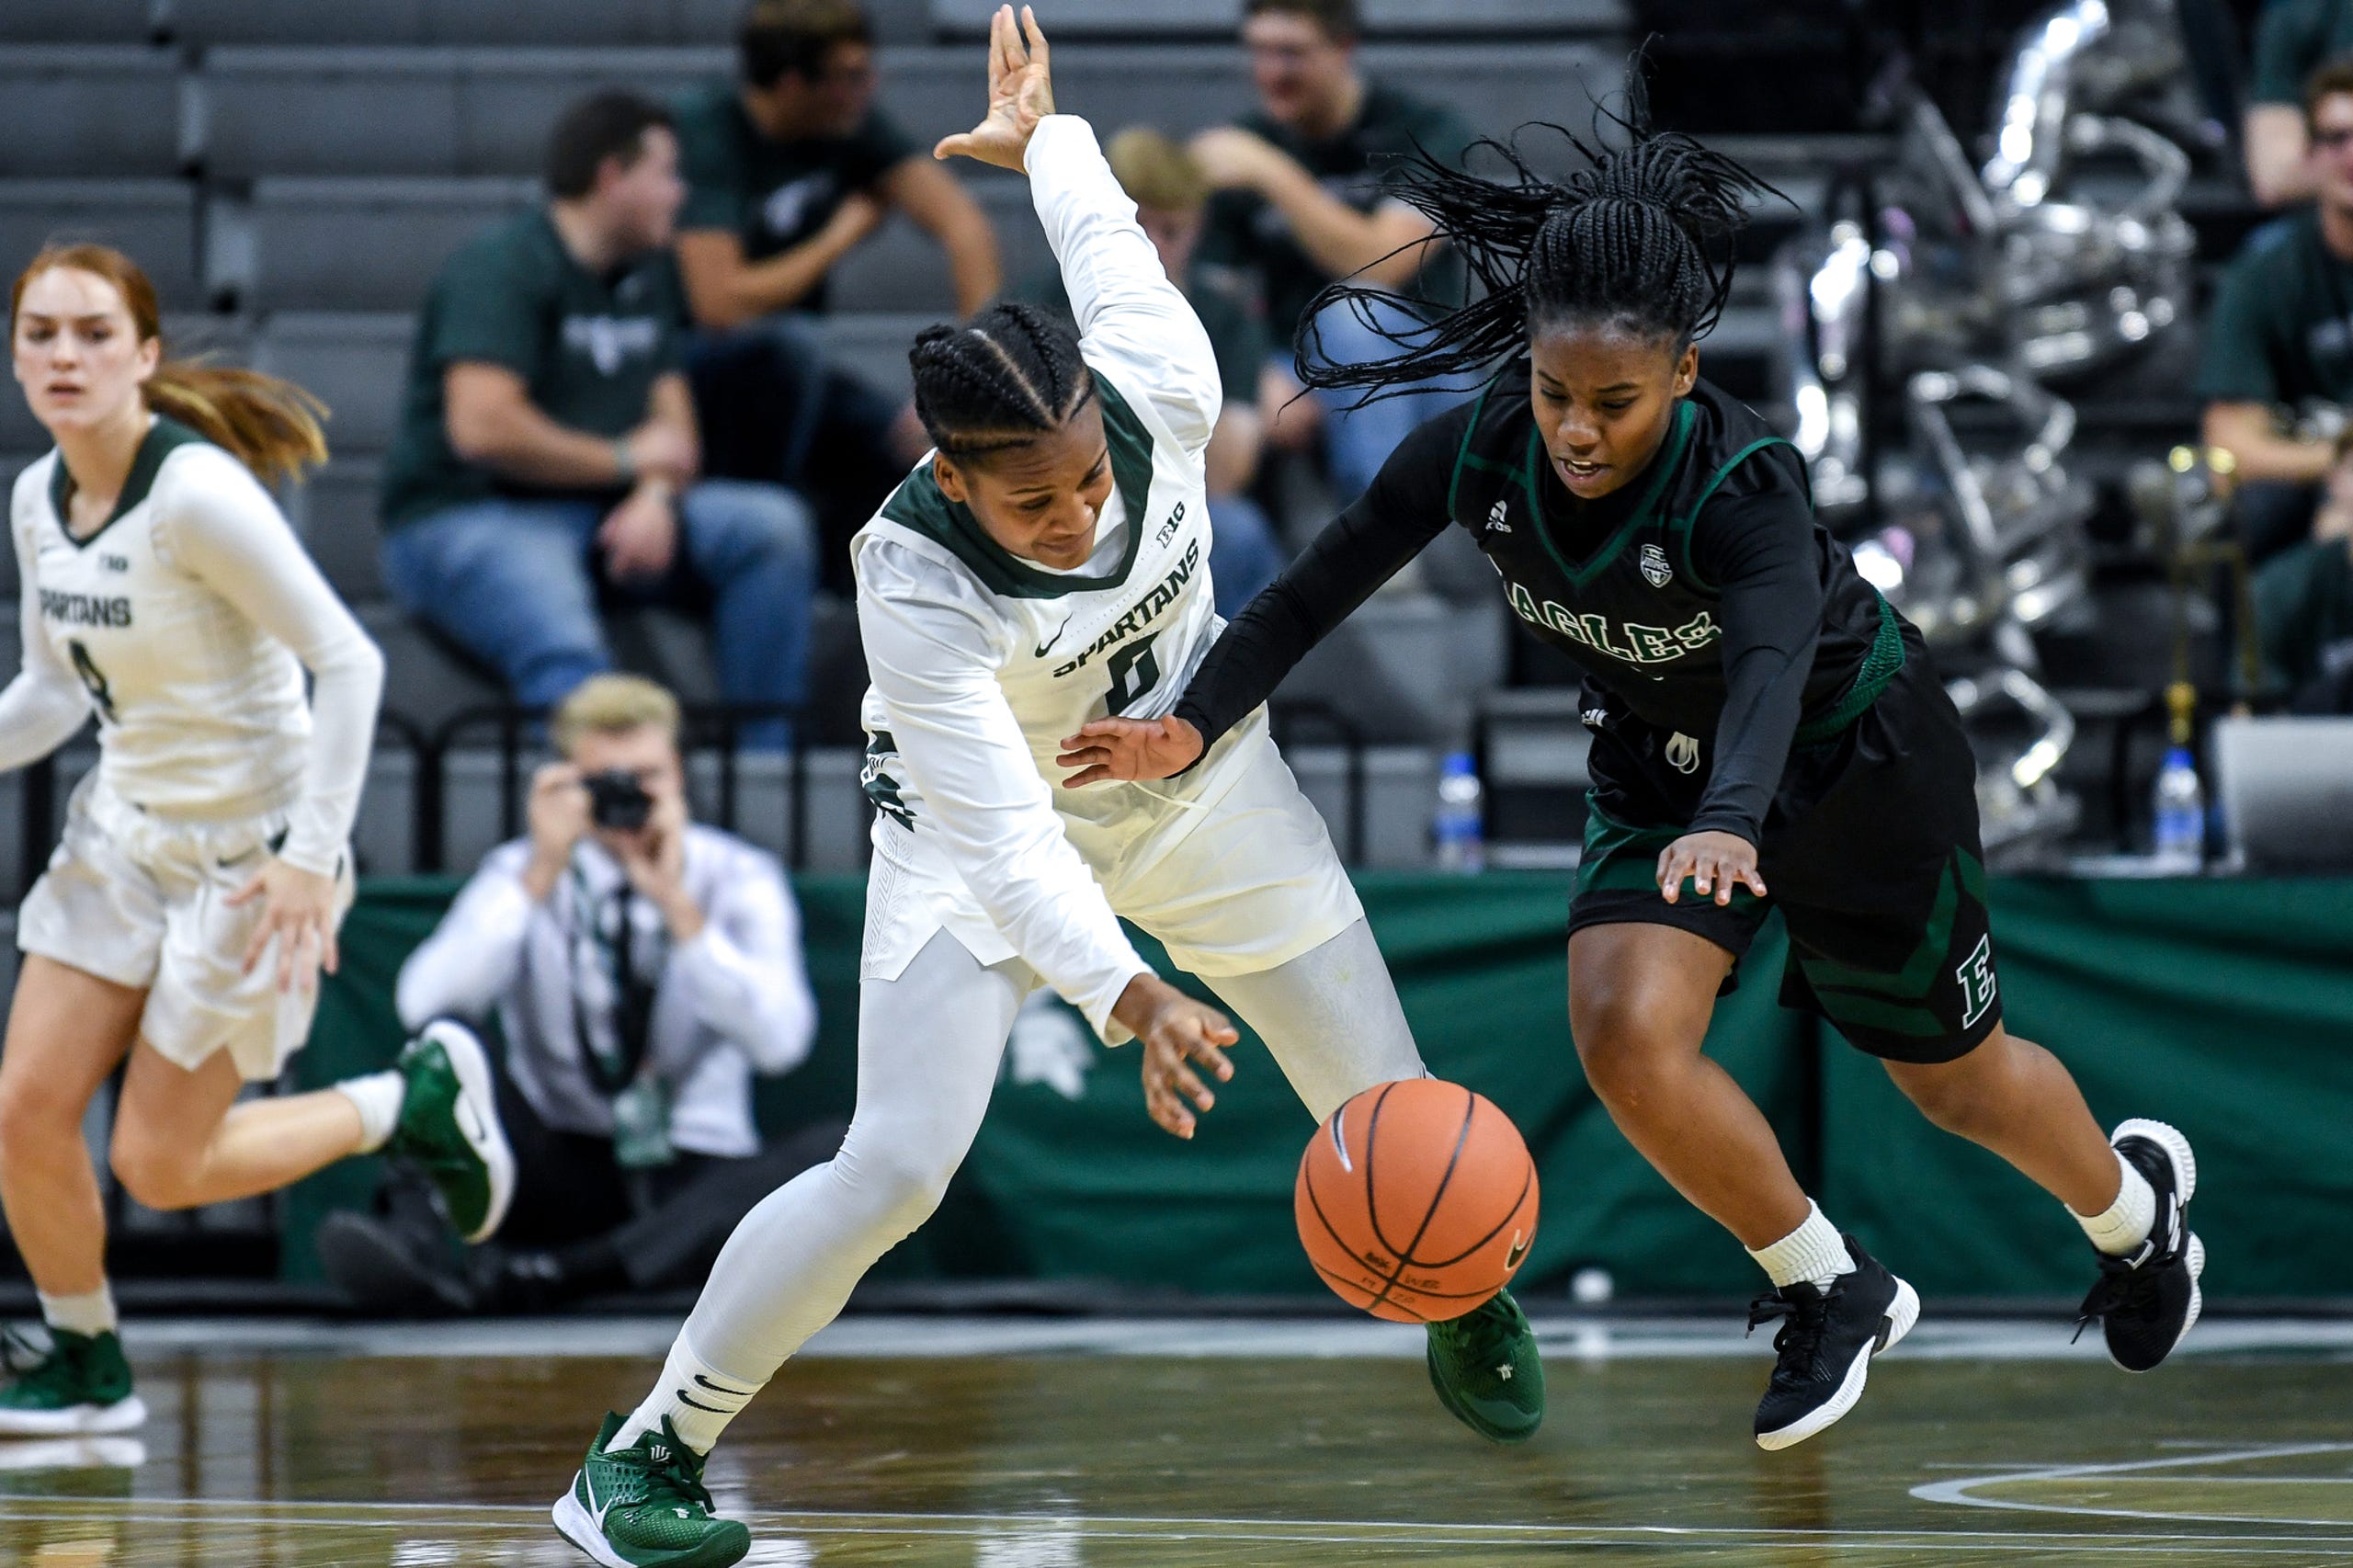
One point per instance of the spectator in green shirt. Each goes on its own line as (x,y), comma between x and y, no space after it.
(548,452)
(1303,199)
(2280,337)
(788,168)
(1171,196)
(2292,40)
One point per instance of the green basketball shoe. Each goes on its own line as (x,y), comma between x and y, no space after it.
(81,1388)
(645,1506)
(448,1128)
(1484,1366)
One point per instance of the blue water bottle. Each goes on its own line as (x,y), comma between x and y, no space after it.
(1456,828)
(2180,801)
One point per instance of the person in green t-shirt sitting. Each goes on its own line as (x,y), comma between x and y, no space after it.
(548,452)
(2280,341)
(1304,198)
(789,168)
(2293,38)
(1171,196)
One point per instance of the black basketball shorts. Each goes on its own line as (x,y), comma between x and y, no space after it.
(1871,852)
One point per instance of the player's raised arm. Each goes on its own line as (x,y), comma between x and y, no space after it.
(1130,312)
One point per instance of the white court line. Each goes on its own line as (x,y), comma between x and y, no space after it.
(1363,1532)
(1959,1489)
(924,1336)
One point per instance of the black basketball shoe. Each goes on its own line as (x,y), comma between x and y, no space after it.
(1825,1345)
(2146,1300)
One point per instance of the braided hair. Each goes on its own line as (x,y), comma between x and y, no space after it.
(1005,377)
(1639,240)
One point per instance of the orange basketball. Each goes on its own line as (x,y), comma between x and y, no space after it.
(1416,1201)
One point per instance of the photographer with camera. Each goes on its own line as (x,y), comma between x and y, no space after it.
(642,969)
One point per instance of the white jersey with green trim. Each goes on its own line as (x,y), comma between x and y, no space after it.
(982,663)
(184,623)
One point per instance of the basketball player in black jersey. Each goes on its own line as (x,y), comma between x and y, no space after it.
(1765,730)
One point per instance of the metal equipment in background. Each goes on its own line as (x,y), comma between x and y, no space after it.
(1926,321)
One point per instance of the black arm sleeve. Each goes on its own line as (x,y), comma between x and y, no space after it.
(1760,550)
(1362,548)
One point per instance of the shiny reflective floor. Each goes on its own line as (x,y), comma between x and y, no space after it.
(1086,1443)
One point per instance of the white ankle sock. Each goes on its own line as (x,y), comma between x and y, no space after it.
(377,1097)
(1814,1251)
(2125,1223)
(699,1398)
(91,1313)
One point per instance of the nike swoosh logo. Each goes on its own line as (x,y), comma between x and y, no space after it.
(1044,647)
(1519,1251)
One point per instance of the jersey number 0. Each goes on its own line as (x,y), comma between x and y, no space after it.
(1134,672)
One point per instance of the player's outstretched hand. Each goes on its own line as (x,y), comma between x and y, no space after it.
(1713,862)
(1176,1032)
(1129,748)
(1021,93)
(297,912)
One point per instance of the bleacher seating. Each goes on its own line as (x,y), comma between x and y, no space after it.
(354,363)
(335,510)
(412,111)
(1220,19)
(155,219)
(78,21)
(111,112)
(357,245)
(486,111)
(570,22)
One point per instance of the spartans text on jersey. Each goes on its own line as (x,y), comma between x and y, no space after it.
(85,609)
(1144,613)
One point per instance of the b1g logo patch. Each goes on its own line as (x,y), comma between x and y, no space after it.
(1654,567)
(1683,753)
(1978,990)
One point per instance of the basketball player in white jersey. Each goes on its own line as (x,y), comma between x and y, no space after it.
(204,869)
(1047,565)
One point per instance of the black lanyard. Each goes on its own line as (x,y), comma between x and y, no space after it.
(633,998)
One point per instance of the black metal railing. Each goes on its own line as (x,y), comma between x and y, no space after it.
(514,733)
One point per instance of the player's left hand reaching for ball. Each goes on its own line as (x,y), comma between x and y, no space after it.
(1176,1032)
(1021,93)
(1714,863)
(298,913)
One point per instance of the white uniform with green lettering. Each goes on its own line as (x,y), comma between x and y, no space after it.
(989,878)
(982,663)
(184,625)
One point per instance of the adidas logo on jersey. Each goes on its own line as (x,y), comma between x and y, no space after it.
(1654,567)
(1495,523)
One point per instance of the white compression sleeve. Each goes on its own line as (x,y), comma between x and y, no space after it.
(928,1045)
(46,703)
(1331,1018)
(1128,311)
(229,534)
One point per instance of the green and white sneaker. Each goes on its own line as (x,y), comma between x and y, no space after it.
(448,1128)
(645,1506)
(1484,1366)
(80,1388)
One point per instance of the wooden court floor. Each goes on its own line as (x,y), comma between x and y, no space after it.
(1196,1443)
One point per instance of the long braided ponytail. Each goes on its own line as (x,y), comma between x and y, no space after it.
(1640,238)
(1007,376)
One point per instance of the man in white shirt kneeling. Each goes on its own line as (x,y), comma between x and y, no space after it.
(642,969)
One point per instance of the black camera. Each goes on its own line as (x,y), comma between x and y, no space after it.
(617,801)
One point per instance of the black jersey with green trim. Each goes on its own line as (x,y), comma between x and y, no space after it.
(1614,582)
